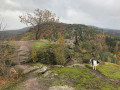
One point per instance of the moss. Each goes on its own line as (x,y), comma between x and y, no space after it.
(42,44)
(81,78)
(110,70)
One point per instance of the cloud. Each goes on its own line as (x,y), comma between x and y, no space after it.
(101,13)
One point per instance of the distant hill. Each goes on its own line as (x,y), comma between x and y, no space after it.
(113,32)
(50,31)
(10,33)
(108,31)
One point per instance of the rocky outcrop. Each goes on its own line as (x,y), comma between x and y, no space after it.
(23,54)
(79,65)
(61,88)
(41,70)
(31,69)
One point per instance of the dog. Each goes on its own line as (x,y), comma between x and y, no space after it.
(94,63)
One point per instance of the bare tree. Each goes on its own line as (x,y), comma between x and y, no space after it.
(38,17)
(2,28)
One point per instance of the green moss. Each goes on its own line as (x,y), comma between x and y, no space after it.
(110,70)
(81,78)
(41,44)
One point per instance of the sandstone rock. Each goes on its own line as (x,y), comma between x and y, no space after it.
(30,69)
(79,65)
(23,54)
(61,88)
(60,66)
(41,70)
(47,74)
(21,67)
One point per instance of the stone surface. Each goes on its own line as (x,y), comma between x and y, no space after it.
(61,88)
(79,65)
(41,70)
(23,54)
(30,69)
(60,66)
(47,74)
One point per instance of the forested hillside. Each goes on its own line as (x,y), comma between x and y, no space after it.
(89,41)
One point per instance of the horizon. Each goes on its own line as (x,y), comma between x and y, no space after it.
(98,13)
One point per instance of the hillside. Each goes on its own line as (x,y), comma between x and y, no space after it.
(10,33)
(50,31)
(59,59)
(113,32)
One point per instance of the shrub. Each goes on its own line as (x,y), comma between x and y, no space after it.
(54,54)
(43,55)
(6,55)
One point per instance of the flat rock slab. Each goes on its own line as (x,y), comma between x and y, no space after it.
(59,66)
(31,69)
(41,70)
(47,74)
(79,65)
(22,67)
(61,88)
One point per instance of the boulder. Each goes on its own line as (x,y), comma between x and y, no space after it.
(30,69)
(61,88)
(47,74)
(41,70)
(23,54)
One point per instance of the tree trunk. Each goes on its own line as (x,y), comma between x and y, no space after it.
(37,33)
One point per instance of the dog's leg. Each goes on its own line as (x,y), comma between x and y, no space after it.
(93,67)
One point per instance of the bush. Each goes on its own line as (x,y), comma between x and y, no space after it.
(43,55)
(54,54)
(6,55)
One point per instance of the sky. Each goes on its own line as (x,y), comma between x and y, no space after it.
(100,13)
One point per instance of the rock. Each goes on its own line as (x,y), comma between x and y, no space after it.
(41,70)
(60,66)
(25,48)
(23,54)
(30,69)
(47,74)
(79,65)
(21,68)
(55,74)
(61,88)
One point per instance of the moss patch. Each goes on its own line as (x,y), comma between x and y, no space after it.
(110,70)
(81,79)
(41,44)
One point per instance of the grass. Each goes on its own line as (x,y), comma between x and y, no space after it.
(81,79)
(10,85)
(41,44)
(110,70)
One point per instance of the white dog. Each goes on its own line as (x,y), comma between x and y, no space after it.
(94,63)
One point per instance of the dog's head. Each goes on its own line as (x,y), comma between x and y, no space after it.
(98,62)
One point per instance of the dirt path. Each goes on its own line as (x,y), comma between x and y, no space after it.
(31,82)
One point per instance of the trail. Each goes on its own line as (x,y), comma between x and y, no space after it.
(31,81)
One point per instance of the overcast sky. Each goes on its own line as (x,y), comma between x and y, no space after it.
(101,13)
